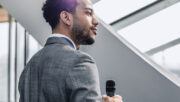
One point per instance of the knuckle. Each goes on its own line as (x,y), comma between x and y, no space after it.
(118,96)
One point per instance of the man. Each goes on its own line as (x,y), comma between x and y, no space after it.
(59,72)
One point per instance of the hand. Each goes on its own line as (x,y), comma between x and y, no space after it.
(115,98)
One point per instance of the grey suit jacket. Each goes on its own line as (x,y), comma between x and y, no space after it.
(59,73)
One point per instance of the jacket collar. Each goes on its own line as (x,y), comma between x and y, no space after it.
(65,37)
(57,40)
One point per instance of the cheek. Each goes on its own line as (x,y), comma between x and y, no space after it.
(83,22)
(89,20)
(86,20)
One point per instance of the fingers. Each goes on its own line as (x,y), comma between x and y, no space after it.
(104,96)
(107,98)
(115,98)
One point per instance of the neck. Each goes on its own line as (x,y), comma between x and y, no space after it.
(66,34)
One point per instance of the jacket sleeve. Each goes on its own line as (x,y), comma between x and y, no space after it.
(83,81)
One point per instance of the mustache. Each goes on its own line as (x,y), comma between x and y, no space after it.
(93,28)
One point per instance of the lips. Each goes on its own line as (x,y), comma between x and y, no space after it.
(94,30)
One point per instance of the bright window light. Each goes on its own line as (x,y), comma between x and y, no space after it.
(111,10)
(154,30)
(169,58)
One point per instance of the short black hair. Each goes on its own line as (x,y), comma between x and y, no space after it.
(52,8)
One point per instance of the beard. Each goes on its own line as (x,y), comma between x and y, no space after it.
(81,34)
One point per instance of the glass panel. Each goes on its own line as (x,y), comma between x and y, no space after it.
(111,10)
(12,83)
(154,31)
(169,59)
(20,54)
(15,61)
(3,61)
(34,46)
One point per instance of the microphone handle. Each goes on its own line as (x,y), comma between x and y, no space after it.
(110,94)
(110,91)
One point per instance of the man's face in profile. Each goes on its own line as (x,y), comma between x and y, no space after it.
(84,23)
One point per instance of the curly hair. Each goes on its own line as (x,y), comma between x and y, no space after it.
(52,9)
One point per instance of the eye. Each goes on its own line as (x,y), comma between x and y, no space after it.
(89,13)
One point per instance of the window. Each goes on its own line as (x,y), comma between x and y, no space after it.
(3,61)
(161,32)
(111,10)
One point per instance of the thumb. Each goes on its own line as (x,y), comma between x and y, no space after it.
(105,97)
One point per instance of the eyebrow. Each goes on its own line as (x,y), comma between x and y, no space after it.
(90,9)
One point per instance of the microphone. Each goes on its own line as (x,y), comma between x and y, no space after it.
(110,88)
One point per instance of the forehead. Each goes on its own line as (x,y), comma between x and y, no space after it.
(84,4)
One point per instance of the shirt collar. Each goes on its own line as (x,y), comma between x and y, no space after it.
(61,36)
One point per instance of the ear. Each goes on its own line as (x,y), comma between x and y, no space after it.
(66,18)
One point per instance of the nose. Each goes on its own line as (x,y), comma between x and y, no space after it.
(95,22)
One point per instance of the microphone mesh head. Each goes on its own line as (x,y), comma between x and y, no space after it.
(110,88)
(110,83)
